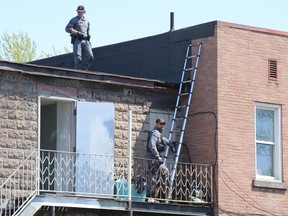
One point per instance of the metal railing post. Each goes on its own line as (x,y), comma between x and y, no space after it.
(129,159)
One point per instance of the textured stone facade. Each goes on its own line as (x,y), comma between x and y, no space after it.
(19,113)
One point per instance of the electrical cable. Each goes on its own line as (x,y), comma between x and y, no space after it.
(187,152)
(214,169)
(263,208)
(244,198)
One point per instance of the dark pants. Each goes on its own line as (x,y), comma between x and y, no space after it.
(158,180)
(83,55)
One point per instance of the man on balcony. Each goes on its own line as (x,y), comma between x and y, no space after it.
(157,172)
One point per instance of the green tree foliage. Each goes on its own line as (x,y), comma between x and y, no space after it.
(55,53)
(20,48)
(17,47)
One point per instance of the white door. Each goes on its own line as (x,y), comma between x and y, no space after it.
(94,148)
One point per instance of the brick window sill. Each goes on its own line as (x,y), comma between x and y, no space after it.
(269,184)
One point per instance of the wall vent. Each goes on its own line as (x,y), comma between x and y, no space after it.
(272,74)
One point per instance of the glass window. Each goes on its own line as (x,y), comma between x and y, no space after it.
(268,143)
(264,159)
(265,125)
(95,143)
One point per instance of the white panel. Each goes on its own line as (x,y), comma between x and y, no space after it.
(95,145)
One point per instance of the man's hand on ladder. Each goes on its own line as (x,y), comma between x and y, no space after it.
(160,160)
(173,146)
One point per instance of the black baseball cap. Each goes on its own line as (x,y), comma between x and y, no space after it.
(80,7)
(159,121)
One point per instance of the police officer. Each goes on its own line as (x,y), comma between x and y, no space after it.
(156,145)
(79,29)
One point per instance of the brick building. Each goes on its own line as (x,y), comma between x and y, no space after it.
(240,84)
(237,118)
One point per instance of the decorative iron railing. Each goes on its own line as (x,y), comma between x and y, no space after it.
(77,174)
(17,190)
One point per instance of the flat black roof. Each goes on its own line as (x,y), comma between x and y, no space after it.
(158,57)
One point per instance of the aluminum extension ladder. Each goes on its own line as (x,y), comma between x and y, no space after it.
(184,94)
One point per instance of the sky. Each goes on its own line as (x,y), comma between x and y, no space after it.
(115,21)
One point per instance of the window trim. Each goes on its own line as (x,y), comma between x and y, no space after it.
(277,154)
(269,184)
(52,98)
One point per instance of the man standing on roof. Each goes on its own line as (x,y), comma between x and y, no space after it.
(157,172)
(79,29)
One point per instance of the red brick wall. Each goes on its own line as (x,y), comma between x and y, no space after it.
(242,81)
(202,121)
(232,77)
(200,130)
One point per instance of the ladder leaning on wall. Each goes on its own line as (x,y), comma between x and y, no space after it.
(185,93)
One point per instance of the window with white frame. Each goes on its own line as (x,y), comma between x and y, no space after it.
(268,142)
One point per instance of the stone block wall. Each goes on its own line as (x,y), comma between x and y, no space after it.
(19,113)
(18,122)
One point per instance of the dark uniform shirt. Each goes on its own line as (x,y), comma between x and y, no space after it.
(80,24)
(154,139)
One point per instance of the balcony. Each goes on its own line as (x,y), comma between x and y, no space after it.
(65,179)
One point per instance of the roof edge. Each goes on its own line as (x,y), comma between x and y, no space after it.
(252,28)
(100,77)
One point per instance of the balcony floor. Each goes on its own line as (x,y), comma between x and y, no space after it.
(110,205)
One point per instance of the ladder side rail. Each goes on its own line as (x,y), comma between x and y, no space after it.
(184,122)
(189,49)
(177,104)
(189,98)
(176,158)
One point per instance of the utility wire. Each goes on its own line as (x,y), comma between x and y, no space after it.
(262,207)
(244,198)
(214,168)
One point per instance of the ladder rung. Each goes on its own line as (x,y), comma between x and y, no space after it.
(187,81)
(184,93)
(189,69)
(181,106)
(178,118)
(192,56)
(176,131)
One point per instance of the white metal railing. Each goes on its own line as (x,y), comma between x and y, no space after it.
(90,175)
(19,187)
